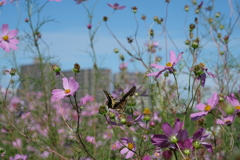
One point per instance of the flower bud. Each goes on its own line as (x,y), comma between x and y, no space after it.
(151,32)
(152,124)
(219,35)
(76,68)
(155,18)
(198,70)
(197,11)
(130,40)
(89,26)
(131,101)
(221,27)
(111,115)
(121,57)
(102,109)
(187,42)
(186,8)
(226,38)
(56,68)
(196,144)
(194,2)
(218,14)
(210,20)
(134,9)
(12,71)
(195,44)
(221,53)
(191,27)
(116,50)
(144,17)
(105,18)
(123,120)
(146,117)
(191,35)
(196,20)
(166,74)
(167,155)
(26,20)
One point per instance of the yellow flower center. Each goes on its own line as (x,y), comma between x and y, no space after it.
(5,38)
(202,65)
(227,120)
(238,107)
(67,91)
(130,146)
(207,108)
(146,111)
(169,64)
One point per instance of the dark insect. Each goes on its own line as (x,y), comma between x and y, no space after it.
(119,106)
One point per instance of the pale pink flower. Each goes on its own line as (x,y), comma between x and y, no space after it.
(116,6)
(3,2)
(91,139)
(7,38)
(70,87)
(17,143)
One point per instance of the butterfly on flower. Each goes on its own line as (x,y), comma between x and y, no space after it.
(120,105)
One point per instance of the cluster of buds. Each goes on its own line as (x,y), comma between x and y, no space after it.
(158,20)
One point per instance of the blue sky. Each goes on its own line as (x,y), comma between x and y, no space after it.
(68,38)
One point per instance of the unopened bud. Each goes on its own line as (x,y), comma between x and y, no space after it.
(144,17)
(105,18)
(56,68)
(116,50)
(134,9)
(121,57)
(186,8)
(187,42)
(102,109)
(218,14)
(76,68)
(210,20)
(155,18)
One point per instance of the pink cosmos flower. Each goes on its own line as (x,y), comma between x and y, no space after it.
(115,146)
(79,1)
(116,6)
(234,102)
(19,156)
(3,2)
(7,38)
(70,87)
(86,98)
(152,46)
(226,120)
(129,147)
(169,66)
(212,102)
(123,66)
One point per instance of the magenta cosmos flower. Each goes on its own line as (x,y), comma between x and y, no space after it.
(198,140)
(226,120)
(116,6)
(7,38)
(171,136)
(79,1)
(129,147)
(212,102)
(70,87)
(169,65)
